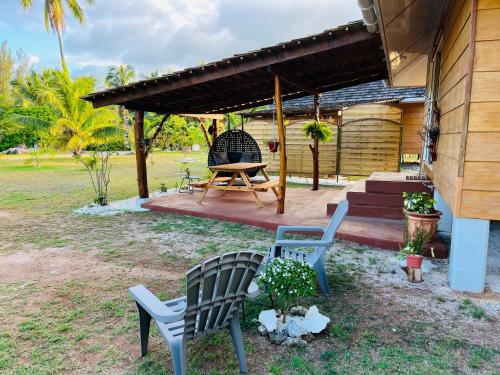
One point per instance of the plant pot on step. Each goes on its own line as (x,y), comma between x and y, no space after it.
(414,261)
(428,222)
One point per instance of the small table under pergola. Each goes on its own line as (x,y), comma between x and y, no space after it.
(240,170)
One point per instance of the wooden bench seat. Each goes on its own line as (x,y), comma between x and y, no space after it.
(203,183)
(264,186)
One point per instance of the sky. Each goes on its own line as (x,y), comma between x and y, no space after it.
(166,35)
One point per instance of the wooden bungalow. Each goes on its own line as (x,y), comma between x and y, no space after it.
(374,126)
(452,47)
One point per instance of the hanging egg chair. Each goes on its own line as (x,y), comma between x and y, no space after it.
(234,146)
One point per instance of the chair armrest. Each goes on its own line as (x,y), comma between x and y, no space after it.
(253,290)
(283,229)
(156,308)
(303,243)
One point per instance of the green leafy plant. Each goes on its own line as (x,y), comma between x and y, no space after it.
(420,203)
(99,170)
(288,280)
(318,130)
(416,246)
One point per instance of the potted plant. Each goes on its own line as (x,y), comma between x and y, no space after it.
(419,211)
(414,249)
(273,145)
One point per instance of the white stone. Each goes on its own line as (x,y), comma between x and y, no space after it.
(315,322)
(298,310)
(295,326)
(263,330)
(269,320)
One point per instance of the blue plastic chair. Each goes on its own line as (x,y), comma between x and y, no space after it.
(215,292)
(316,258)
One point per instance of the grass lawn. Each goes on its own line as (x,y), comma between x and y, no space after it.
(64,306)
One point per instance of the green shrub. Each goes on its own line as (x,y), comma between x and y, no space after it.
(421,203)
(288,280)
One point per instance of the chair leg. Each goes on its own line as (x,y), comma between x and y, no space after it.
(144,324)
(322,277)
(179,356)
(238,343)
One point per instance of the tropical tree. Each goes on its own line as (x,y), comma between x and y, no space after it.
(55,13)
(319,132)
(26,88)
(6,71)
(77,124)
(121,75)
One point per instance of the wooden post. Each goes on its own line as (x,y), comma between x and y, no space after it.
(282,145)
(315,148)
(140,155)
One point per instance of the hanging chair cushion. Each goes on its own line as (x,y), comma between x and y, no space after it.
(221,158)
(234,157)
(248,157)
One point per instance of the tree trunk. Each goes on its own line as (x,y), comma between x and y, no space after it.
(315,152)
(140,156)
(61,49)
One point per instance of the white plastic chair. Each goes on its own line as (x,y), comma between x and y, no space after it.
(215,291)
(315,258)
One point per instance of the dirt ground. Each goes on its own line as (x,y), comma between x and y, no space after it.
(64,307)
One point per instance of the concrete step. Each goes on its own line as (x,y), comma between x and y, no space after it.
(381,212)
(375,199)
(394,183)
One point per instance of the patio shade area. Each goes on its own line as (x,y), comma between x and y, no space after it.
(337,58)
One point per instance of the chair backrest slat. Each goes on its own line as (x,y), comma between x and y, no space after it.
(215,291)
(337,218)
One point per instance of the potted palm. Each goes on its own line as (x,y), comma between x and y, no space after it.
(419,212)
(319,132)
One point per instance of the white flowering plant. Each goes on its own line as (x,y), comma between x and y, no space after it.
(288,280)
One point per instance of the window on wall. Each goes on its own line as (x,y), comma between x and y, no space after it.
(431,130)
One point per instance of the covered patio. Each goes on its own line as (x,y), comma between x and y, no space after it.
(337,58)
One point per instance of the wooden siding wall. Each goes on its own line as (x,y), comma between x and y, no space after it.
(371,139)
(299,156)
(481,179)
(451,100)
(413,121)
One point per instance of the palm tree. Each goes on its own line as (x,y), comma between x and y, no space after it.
(319,132)
(77,125)
(55,12)
(121,75)
(25,89)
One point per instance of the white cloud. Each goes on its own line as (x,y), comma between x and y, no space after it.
(163,34)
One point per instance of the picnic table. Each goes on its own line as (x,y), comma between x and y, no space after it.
(239,170)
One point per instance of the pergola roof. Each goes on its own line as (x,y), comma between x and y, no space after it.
(337,58)
(333,101)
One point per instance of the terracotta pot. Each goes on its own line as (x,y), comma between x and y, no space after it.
(414,261)
(428,222)
(273,146)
